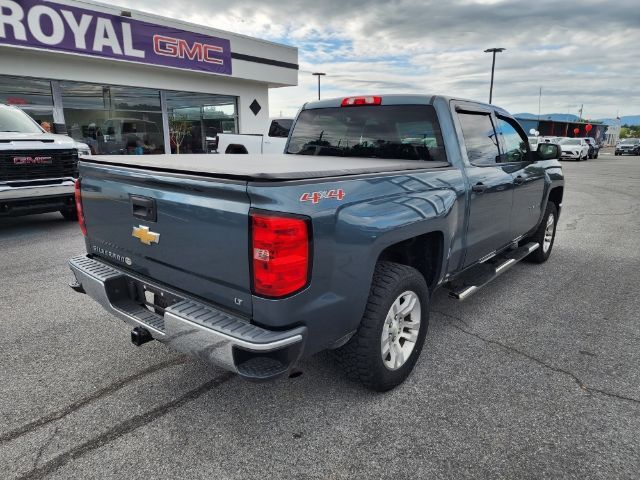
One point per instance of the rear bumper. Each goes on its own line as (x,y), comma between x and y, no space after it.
(192,327)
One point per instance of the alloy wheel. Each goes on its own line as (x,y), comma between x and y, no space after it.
(400,330)
(549,232)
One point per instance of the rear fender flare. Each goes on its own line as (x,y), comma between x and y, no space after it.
(364,230)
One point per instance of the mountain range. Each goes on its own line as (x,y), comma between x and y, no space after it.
(563,117)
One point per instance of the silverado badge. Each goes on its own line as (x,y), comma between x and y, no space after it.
(146,236)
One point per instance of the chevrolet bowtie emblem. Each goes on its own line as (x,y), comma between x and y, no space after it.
(145,236)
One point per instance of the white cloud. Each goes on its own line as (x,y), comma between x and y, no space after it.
(580,53)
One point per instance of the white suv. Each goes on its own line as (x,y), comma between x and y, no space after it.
(575,148)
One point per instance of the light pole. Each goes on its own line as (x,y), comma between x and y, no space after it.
(493,67)
(319,74)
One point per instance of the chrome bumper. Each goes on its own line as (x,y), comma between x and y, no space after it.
(10,192)
(192,327)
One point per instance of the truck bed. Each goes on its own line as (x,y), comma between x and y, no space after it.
(263,167)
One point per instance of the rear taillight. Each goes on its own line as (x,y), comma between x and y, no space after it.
(358,101)
(78,197)
(280,254)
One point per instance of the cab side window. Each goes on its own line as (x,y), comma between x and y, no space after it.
(515,146)
(480,138)
(280,128)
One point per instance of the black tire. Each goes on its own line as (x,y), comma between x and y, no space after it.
(70,214)
(362,355)
(539,255)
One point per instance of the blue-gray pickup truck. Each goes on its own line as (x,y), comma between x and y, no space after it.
(254,262)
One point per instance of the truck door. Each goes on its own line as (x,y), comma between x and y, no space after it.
(527,173)
(491,195)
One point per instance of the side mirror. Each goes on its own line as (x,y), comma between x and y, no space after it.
(549,151)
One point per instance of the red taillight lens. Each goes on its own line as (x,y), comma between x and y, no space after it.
(358,101)
(78,197)
(280,254)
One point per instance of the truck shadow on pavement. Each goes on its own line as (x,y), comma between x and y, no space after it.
(29,224)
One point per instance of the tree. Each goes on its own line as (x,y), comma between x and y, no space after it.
(629,131)
(179,128)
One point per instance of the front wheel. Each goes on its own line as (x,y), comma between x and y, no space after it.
(392,332)
(545,235)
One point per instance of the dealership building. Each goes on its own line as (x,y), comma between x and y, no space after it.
(131,82)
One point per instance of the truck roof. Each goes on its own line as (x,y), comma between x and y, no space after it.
(262,167)
(398,99)
(388,99)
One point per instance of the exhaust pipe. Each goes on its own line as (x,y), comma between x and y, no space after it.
(140,336)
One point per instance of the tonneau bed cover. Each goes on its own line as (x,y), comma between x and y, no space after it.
(263,167)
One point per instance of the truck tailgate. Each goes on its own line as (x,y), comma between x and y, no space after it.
(197,237)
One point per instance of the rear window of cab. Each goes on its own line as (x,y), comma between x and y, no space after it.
(403,132)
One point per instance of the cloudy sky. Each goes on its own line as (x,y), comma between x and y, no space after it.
(579,51)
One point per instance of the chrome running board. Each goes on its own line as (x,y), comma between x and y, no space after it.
(472,280)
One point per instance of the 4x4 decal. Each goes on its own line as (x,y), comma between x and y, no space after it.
(315,197)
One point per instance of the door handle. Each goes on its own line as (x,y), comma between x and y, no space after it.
(518,180)
(479,188)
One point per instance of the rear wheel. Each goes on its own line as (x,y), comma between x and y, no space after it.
(392,332)
(70,214)
(545,235)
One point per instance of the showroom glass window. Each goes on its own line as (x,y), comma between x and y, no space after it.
(32,95)
(196,118)
(113,120)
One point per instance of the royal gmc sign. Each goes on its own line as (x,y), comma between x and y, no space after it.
(44,25)
(32,160)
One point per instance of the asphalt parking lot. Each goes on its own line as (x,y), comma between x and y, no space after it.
(536,376)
